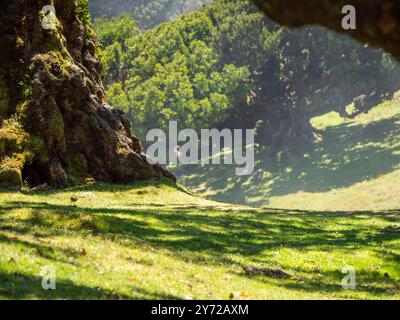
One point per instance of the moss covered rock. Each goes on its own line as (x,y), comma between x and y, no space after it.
(51,88)
(11,172)
(4,100)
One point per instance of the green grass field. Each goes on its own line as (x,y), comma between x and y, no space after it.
(159,241)
(354,166)
(156,240)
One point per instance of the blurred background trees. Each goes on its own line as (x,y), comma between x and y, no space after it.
(226,65)
(147,13)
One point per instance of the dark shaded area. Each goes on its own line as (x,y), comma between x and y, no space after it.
(348,154)
(20,286)
(378,21)
(33,174)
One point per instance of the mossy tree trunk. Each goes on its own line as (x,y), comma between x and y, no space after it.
(55,124)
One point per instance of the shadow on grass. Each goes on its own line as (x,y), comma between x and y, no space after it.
(204,235)
(347,155)
(102,187)
(20,286)
(48,252)
(330,283)
(200,229)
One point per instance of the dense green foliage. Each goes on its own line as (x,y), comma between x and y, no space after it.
(227,65)
(169,73)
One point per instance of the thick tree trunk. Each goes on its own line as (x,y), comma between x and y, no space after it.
(378,21)
(55,126)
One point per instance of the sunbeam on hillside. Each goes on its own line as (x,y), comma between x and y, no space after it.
(353,165)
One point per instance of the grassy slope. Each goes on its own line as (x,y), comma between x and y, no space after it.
(159,241)
(356,166)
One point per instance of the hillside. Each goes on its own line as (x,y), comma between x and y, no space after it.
(155,240)
(81,202)
(354,165)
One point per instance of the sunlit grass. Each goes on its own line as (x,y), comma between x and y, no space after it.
(159,241)
(385,110)
(355,165)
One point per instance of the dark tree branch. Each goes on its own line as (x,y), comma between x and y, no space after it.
(378,21)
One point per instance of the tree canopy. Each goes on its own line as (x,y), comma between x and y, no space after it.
(200,70)
(147,13)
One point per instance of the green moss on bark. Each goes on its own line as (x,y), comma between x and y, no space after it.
(4,99)
(13,154)
(77,169)
(59,128)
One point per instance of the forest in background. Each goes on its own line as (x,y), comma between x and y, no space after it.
(289,85)
(199,70)
(147,13)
